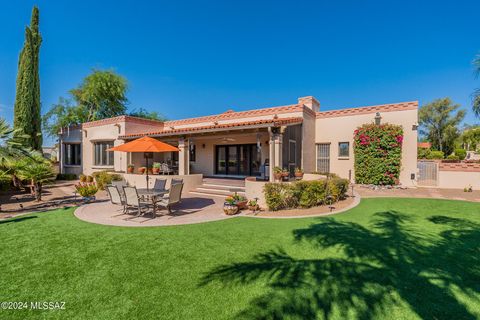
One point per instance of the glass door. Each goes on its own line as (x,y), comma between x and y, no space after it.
(237,160)
(221,167)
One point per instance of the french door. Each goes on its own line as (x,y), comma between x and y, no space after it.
(237,160)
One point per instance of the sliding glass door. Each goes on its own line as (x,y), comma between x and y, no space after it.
(237,160)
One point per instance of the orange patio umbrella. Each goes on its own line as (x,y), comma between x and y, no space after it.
(146,145)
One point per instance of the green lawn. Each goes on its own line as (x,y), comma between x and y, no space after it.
(386,258)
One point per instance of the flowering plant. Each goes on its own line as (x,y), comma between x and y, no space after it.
(86,189)
(378,152)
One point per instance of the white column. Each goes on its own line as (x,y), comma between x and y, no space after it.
(271,148)
(278,150)
(62,155)
(181,156)
(187,156)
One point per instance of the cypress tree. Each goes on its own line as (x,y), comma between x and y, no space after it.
(27,117)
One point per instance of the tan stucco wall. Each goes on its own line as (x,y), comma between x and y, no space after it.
(190,182)
(458,179)
(340,129)
(308,143)
(108,132)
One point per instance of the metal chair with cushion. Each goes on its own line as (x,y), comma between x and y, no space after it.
(133,200)
(173,197)
(119,185)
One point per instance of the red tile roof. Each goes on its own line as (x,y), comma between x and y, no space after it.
(426,145)
(219,127)
(123,118)
(401,106)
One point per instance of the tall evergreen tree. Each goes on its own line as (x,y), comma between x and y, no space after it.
(27,117)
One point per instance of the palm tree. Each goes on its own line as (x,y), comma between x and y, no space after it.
(10,148)
(37,170)
(476,94)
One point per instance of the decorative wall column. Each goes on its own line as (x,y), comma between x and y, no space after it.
(181,156)
(278,150)
(62,154)
(271,148)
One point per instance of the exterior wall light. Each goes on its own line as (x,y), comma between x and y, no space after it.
(378,118)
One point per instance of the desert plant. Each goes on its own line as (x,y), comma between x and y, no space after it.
(104,178)
(83,178)
(89,179)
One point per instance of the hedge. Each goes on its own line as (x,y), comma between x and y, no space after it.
(378,153)
(304,194)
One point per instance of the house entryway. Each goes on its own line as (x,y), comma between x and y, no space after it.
(217,187)
(237,160)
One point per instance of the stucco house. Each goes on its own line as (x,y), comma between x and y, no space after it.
(242,144)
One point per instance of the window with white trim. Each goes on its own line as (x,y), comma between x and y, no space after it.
(102,157)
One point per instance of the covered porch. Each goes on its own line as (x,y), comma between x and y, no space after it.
(232,150)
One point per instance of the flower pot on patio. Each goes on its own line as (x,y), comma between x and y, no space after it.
(253,208)
(242,204)
(130,169)
(230,209)
(142,170)
(277,176)
(299,175)
(156,170)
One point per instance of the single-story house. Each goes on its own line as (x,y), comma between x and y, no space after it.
(242,144)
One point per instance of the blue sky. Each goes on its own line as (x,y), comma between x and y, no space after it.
(191,58)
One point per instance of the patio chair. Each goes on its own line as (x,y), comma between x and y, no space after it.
(119,185)
(160,184)
(176,181)
(173,197)
(115,197)
(166,169)
(133,200)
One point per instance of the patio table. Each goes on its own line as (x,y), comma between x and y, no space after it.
(152,194)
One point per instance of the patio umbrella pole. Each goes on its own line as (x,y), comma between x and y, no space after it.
(146,157)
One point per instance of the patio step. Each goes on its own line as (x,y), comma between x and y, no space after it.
(217,190)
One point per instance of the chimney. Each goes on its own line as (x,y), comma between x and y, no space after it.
(310,102)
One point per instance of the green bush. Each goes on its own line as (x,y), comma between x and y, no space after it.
(66,176)
(423,153)
(453,157)
(461,153)
(378,153)
(104,178)
(434,154)
(304,194)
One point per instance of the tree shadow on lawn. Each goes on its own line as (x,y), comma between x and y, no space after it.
(385,266)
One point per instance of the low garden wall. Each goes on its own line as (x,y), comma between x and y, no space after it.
(459,175)
(190,181)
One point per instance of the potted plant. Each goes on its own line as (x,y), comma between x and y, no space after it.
(277,173)
(230,206)
(299,173)
(253,205)
(130,168)
(87,190)
(142,170)
(285,174)
(156,167)
(240,201)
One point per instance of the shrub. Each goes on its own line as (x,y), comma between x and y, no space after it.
(453,157)
(434,154)
(86,189)
(89,179)
(423,153)
(103,178)
(83,178)
(461,153)
(304,194)
(378,153)
(66,176)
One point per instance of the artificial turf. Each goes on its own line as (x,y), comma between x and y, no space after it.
(386,258)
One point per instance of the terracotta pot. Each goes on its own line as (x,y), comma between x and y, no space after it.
(253,208)
(156,170)
(242,204)
(285,174)
(230,209)
(277,176)
(142,170)
(130,169)
(299,175)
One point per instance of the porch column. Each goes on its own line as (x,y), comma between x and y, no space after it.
(271,149)
(278,150)
(182,156)
(62,155)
